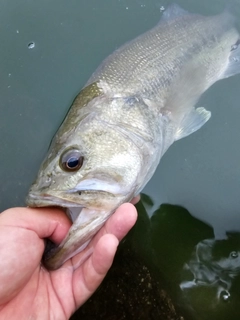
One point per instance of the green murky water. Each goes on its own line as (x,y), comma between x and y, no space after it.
(48,51)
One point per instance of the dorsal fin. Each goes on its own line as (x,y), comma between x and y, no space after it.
(173,11)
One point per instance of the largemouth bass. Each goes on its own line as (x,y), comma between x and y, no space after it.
(138,102)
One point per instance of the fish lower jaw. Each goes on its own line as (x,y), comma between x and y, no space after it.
(46,200)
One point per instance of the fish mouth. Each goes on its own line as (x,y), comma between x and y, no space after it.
(66,199)
(87,192)
(46,200)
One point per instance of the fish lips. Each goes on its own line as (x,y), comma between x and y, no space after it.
(71,198)
(46,200)
(86,193)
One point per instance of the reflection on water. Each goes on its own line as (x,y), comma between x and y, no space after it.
(202,273)
(213,263)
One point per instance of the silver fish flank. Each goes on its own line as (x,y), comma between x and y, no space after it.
(138,102)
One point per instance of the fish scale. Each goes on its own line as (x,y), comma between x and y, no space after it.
(127,72)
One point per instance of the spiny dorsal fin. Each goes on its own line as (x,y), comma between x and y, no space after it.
(173,11)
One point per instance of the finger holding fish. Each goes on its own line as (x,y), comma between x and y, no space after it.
(118,224)
(75,241)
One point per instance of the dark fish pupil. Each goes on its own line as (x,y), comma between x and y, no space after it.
(72,163)
(71,160)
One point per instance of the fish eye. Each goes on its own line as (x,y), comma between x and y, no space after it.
(71,160)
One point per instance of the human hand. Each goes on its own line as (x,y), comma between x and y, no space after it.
(27,289)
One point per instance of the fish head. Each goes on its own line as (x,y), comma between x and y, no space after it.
(90,164)
(91,168)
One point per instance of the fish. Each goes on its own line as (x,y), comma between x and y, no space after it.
(140,100)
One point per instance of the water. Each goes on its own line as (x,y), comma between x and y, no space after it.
(48,51)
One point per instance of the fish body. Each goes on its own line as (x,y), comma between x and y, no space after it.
(135,105)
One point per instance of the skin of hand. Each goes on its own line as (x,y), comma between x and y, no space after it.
(27,289)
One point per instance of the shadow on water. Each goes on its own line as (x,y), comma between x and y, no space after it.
(170,267)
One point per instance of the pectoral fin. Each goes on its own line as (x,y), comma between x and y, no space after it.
(193,121)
